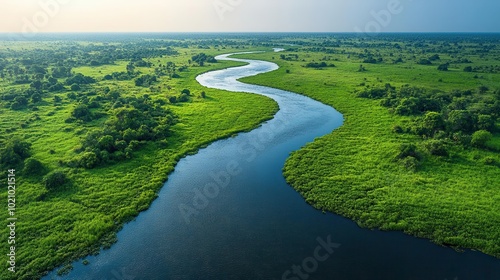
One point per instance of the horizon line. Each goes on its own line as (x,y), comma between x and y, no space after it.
(250,32)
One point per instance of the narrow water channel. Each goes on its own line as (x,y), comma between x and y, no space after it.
(227,213)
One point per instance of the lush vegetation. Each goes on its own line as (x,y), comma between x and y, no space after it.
(94,128)
(419,149)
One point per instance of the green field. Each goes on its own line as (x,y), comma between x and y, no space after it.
(453,200)
(57,226)
(94,128)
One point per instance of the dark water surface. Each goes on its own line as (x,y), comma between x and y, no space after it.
(227,213)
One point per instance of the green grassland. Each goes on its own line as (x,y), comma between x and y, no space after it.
(84,215)
(452,200)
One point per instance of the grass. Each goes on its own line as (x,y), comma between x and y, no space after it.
(86,215)
(452,201)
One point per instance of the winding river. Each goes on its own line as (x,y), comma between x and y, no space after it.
(227,213)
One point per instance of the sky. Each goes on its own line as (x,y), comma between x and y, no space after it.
(33,16)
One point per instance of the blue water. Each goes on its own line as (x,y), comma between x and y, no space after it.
(227,213)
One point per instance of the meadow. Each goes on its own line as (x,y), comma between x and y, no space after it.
(94,127)
(73,192)
(364,170)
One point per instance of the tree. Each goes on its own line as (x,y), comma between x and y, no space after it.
(145,80)
(129,135)
(58,99)
(424,61)
(408,150)
(120,145)
(32,167)
(130,68)
(436,148)
(75,87)
(203,94)
(435,57)
(54,180)
(80,79)
(485,122)
(183,98)
(88,160)
(460,120)
(106,143)
(36,97)
(82,112)
(482,89)
(480,138)
(468,69)
(443,67)
(37,85)
(433,122)
(14,151)
(408,106)
(19,103)
(186,91)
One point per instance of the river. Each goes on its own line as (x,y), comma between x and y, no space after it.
(227,213)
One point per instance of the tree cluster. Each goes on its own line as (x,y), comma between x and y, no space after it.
(463,117)
(133,122)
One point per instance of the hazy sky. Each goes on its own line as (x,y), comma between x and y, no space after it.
(249,15)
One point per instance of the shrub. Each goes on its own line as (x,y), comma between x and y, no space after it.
(183,98)
(443,67)
(410,163)
(32,166)
(480,138)
(409,150)
(54,180)
(88,160)
(397,129)
(14,151)
(82,112)
(437,148)
(490,161)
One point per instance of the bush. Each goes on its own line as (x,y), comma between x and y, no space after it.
(480,138)
(183,98)
(409,150)
(443,67)
(410,163)
(490,161)
(397,129)
(75,87)
(32,166)
(88,160)
(437,148)
(54,180)
(424,61)
(82,112)
(14,151)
